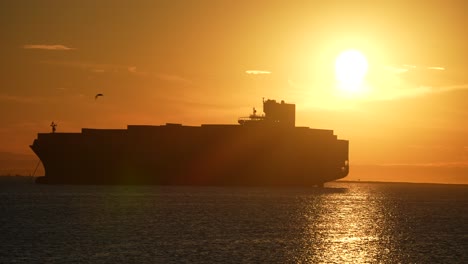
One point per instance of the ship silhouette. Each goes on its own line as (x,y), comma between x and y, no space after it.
(261,150)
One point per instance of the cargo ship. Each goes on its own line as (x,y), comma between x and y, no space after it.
(261,150)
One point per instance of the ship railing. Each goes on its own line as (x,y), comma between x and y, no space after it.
(252,118)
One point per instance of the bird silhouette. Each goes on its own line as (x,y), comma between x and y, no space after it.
(97,95)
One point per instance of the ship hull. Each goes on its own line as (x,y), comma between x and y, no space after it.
(222,155)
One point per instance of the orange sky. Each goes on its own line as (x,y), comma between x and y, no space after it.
(186,62)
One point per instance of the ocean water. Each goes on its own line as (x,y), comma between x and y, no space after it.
(344,222)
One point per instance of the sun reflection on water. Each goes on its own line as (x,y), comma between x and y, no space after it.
(351,230)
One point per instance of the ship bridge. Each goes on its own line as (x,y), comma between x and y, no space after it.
(274,113)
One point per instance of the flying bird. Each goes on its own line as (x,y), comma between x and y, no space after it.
(97,95)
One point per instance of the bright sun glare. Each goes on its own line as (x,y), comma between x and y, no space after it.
(350,70)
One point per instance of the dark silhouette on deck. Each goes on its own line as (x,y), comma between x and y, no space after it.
(263,149)
(53,126)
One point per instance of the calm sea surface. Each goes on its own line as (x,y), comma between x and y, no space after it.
(345,222)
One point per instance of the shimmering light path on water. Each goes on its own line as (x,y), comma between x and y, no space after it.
(345,222)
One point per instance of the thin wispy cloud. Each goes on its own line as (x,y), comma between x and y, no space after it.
(98,70)
(47,47)
(173,78)
(257,72)
(436,68)
(409,68)
(396,69)
(392,93)
(43,99)
(97,67)
(388,83)
(452,164)
(451,88)
(21,99)
(407,81)
(103,68)
(134,70)
(94,67)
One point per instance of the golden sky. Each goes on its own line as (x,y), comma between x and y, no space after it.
(192,62)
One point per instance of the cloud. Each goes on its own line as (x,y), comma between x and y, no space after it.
(101,68)
(409,91)
(436,68)
(395,69)
(23,99)
(173,78)
(450,88)
(256,72)
(452,164)
(133,69)
(47,47)
(407,67)
(35,99)
(406,81)
(97,67)
(384,83)
(98,70)
(94,67)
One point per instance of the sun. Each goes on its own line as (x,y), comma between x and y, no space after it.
(350,70)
